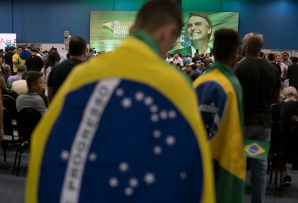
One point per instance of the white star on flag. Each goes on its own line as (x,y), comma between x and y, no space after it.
(119,92)
(149,178)
(139,96)
(128,191)
(126,103)
(156,133)
(123,167)
(133,182)
(170,140)
(153,108)
(163,115)
(154,118)
(212,103)
(157,150)
(64,155)
(172,114)
(113,182)
(183,175)
(92,157)
(148,101)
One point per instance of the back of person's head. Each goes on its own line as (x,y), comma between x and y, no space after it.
(295,59)
(188,69)
(193,66)
(226,42)
(32,78)
(271,57)
(194,76)
(20,47)
(21,68)
(156,14)
(52,59)
(253,43)
(24,76)
(77,46)
(12,48)
(6,69)
(290,91)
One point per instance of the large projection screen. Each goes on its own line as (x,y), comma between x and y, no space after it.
(7,40)
(109,28)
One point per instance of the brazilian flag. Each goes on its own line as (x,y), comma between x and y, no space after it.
(220,98)
(23,55)
(118,130)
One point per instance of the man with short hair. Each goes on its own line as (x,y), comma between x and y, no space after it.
(16,59)
(285,59)
(32,99)
(271,59)
(186,60)
(220,95)
(8,57)
(159,141)
(18,76)
(34,62)
(207,60)
(283,67)
(199,31)
(178,61)
(6,72)
(169,58)
(261,84)
(77,52)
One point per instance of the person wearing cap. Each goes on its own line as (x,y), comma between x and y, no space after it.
(34,62)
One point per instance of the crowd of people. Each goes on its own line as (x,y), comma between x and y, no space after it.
(235,90)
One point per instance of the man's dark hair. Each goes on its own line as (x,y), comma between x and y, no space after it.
(12,48)
(225,43)
(271,57)
(52,59)
(32,77)
(285,53)
(198,14)
(295,59)
(77,46)
(24,76)
(194,76)
(6,68)
(155,14)
(20,47)
(193,66)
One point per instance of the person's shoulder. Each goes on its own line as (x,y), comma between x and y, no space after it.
(290,104)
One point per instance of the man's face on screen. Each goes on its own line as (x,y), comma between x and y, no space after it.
(197,28)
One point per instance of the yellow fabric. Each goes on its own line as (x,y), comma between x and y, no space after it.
(136,67)
(15,58)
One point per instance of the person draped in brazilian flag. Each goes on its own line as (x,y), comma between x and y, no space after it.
(121,131)
(220,97)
